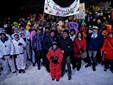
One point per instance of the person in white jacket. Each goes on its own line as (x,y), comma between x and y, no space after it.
(19,45)
(25,34)
(6,54)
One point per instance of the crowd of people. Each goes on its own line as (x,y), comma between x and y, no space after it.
(57,43)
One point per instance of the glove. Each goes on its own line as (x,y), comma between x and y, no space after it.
(20,44)
(81,50)
(78,52)
(54,59)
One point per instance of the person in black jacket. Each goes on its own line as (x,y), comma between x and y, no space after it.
(47,44)
(66,44)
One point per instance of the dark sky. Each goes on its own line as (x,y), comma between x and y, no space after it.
(8,6)
(14,7)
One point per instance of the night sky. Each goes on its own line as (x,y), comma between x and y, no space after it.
(7,7)
(16,7)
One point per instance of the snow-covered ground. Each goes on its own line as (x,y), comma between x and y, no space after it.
(85,76)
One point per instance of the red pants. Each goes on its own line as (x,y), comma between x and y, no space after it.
(55,70)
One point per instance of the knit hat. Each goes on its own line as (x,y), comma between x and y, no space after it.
(54,43)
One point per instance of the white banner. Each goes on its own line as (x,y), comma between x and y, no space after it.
(50,7)
(82,13)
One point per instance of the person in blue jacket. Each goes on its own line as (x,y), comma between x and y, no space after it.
(94,41)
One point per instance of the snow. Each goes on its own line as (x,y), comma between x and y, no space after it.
(86,76)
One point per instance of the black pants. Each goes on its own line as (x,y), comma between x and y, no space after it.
(99,57)
(46,62)
(66,61)
(85,59)
(77,63)
(38,56)
(108,62)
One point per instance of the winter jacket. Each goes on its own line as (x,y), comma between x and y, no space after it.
(37,42)
(108,48)
(6,48)
(55,68)
(79,46)
(66,45)
(25,34)
(57,53)
(19,48)
(48,41)
(94,43)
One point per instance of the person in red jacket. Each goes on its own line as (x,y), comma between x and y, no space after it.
(107,52)
(79,47)
(55,57)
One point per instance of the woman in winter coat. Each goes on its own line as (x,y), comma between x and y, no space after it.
(55,57)
(107,52)
(79,47)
